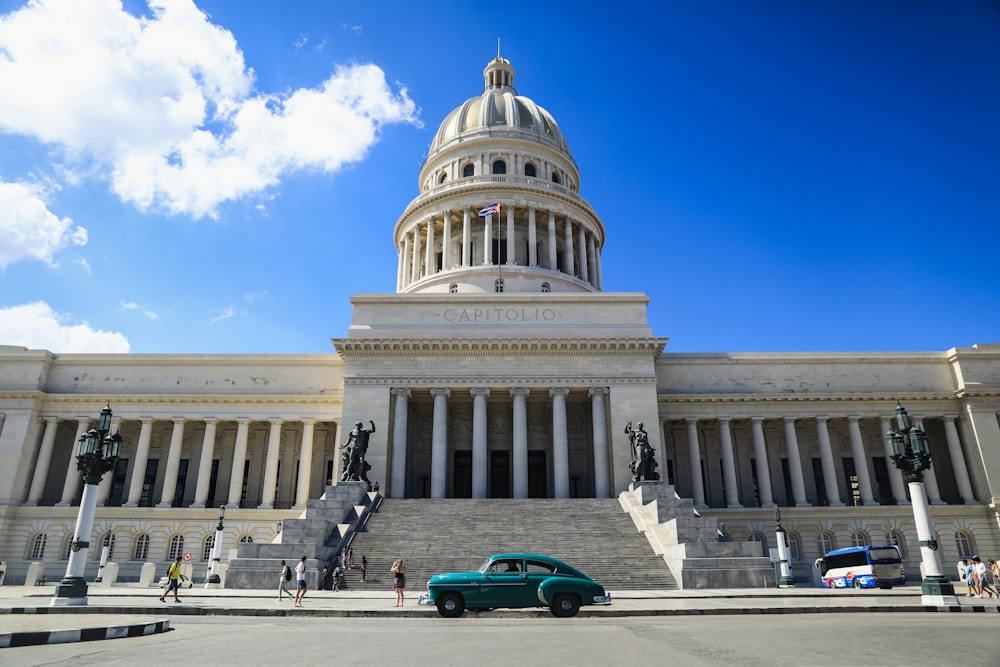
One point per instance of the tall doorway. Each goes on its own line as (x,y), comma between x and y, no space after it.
(500,474)
(538,478)
(462,475)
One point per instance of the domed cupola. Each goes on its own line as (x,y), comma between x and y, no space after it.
(499,148)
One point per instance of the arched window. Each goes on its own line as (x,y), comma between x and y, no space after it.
(545,287)
(443,178)
(896,539)
(499,167)
(38,546)
(206,549)
(498,285)
(758,537)
(859,538)
(555,177)
(966,544)
(794,546)
(826,543)
(246,539)
(67,547)
(453,288)
(176,547)
(141,551)
(468,170)
(529,170)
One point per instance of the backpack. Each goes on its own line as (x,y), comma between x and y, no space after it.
(288,573)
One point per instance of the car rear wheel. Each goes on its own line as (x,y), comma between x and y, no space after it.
(857,583)
(450,605)
(565,605)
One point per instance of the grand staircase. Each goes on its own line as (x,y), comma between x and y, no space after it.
(445,535)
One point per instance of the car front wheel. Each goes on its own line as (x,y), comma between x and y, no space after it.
(450,605)
(565,605)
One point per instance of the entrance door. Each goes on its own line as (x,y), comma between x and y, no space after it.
(461,475)
(499,474)
(538,478)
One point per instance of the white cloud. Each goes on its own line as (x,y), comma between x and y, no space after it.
(167,105)
(226,313)
(37,326)
(28,229)
(259,295)
(147,312)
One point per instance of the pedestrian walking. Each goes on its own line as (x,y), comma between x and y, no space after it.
(364,568)
(338,572)
(398,580)
(173,580)
(300,582)
(284,576)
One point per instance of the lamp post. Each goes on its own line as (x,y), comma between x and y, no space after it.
(105,552)
(97,454)
(786,580)
(214,580)
(911,454)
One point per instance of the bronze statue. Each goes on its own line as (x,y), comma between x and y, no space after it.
(643,465)
(353,454)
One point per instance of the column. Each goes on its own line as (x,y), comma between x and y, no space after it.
(205,463)
(602,483)
(271,465)
(173,462)
(532,238)
(795,464)
(305,462)
(439,443)
(895,476)
(239,461)
(72,482)
(569,252)
(553,246)
(397,485)
(763,469)
(520,441)
(860,460)
(446,241)
(43,461)
(694,453)
(488,240)
(104,488)
(479,477)
(930,476)
(430,261)
(598,273)
(511,240)
(592,259)
(466,236)
(581,251)
(826,459)
(958,460)
(728,464)
(415,265)
(404,263)
(560,443)
(139,465)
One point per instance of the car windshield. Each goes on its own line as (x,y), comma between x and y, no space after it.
(485,566)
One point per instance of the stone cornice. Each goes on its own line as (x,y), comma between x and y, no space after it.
(91,399)
(846,397)
(533,382)
(737,358)
(498,347)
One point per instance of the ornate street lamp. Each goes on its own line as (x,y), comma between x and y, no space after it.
(786,580)
(97,454)
(911,454)
(214,580)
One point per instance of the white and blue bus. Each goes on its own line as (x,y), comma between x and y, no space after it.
(862,567)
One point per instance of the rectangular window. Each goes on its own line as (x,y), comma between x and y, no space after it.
(213,480)
(149,483)
(182,473)
(116,497)
(820,481)
(882,481)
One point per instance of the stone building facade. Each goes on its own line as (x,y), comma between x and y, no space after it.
(499,368)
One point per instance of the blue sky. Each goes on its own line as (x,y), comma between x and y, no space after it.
(222,176)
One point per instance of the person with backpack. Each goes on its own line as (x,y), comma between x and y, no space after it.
(283,578)
(173,580)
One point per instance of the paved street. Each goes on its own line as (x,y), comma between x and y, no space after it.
(915,640)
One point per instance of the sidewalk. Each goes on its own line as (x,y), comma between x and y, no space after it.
(128,610)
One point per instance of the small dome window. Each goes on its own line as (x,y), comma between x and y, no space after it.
(453,288)
(555,177)
(498,285)
(529,170)
(468,170)
(546,288)
(499,167)
(442,179)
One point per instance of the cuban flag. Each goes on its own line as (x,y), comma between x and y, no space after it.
(490,210)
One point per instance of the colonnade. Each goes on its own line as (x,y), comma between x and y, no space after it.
(420,248)
(762,451)
(519,445)
(45,463)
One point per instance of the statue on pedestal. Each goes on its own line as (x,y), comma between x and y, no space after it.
(643,465)
(355,467)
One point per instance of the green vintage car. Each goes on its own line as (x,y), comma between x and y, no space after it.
(514,580)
